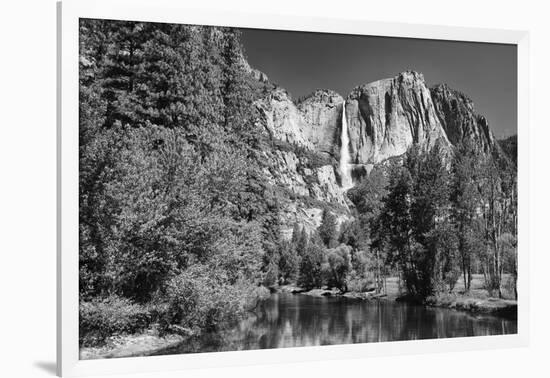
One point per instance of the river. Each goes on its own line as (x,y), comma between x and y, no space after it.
(287,320)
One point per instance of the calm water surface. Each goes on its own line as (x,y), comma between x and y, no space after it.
(287,320)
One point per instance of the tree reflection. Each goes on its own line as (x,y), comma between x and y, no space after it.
(286,320)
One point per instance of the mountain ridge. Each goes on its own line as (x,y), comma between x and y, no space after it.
(384,119)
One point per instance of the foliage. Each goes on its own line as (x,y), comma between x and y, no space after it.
(327,230)
(368,195)
(170,179)
(339,263)
(178,221)
(466,198)
(416,205)
(101,318)
(203,298)
(311,272)
(300,241)
(443,242)
(289,262)
(510,147)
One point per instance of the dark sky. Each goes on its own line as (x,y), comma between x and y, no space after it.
(302,62)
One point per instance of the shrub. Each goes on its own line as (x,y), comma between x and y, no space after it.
(101,318)
(202,299)
(358,285)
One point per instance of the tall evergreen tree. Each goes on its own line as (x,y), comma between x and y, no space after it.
(327,229)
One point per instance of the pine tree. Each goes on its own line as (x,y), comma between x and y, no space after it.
(302,243)
(327,229)
(396,226)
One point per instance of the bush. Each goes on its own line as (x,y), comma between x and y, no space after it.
(358,285)
(201,299)
(101,318)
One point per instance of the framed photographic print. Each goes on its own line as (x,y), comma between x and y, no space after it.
(240,189)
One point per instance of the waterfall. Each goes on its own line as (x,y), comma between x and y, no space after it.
(345,168)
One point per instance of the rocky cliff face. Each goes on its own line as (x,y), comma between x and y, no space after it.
(283,121)
(307,183)
(458,118)
(322,110)
(301,159)
(384,119)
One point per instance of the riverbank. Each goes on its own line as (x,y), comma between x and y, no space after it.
(491,306)
(292,289)
(134,345)
(477,301)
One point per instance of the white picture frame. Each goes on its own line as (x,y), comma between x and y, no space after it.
(172,11)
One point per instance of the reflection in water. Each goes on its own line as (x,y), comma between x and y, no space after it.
(286,320)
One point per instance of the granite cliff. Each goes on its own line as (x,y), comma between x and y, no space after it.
(384,119)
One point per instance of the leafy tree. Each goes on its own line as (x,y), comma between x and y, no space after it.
(288,262)
(443,245)
(417,204)
(170,181)
(339,263)
(327,229)
(466,199)
(494,201)
(429,209)
(368,195)
(351,234)
(311,273)
(397,227)
(508,244)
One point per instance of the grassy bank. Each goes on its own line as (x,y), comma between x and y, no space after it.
(470,303)
(477,300)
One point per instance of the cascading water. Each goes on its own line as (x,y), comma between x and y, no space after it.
(345,168)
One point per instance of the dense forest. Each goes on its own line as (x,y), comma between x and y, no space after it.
(175,217)
(179,226)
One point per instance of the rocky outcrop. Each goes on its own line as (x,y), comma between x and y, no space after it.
(306,188)
(509,146)
(296,173)
(282,120)
(308,216)
(386,117)
(322,111)
(300,161)
(458,118)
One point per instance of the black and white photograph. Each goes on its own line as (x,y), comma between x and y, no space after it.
(245,189)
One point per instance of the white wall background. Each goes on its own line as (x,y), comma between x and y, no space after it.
(27,198)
